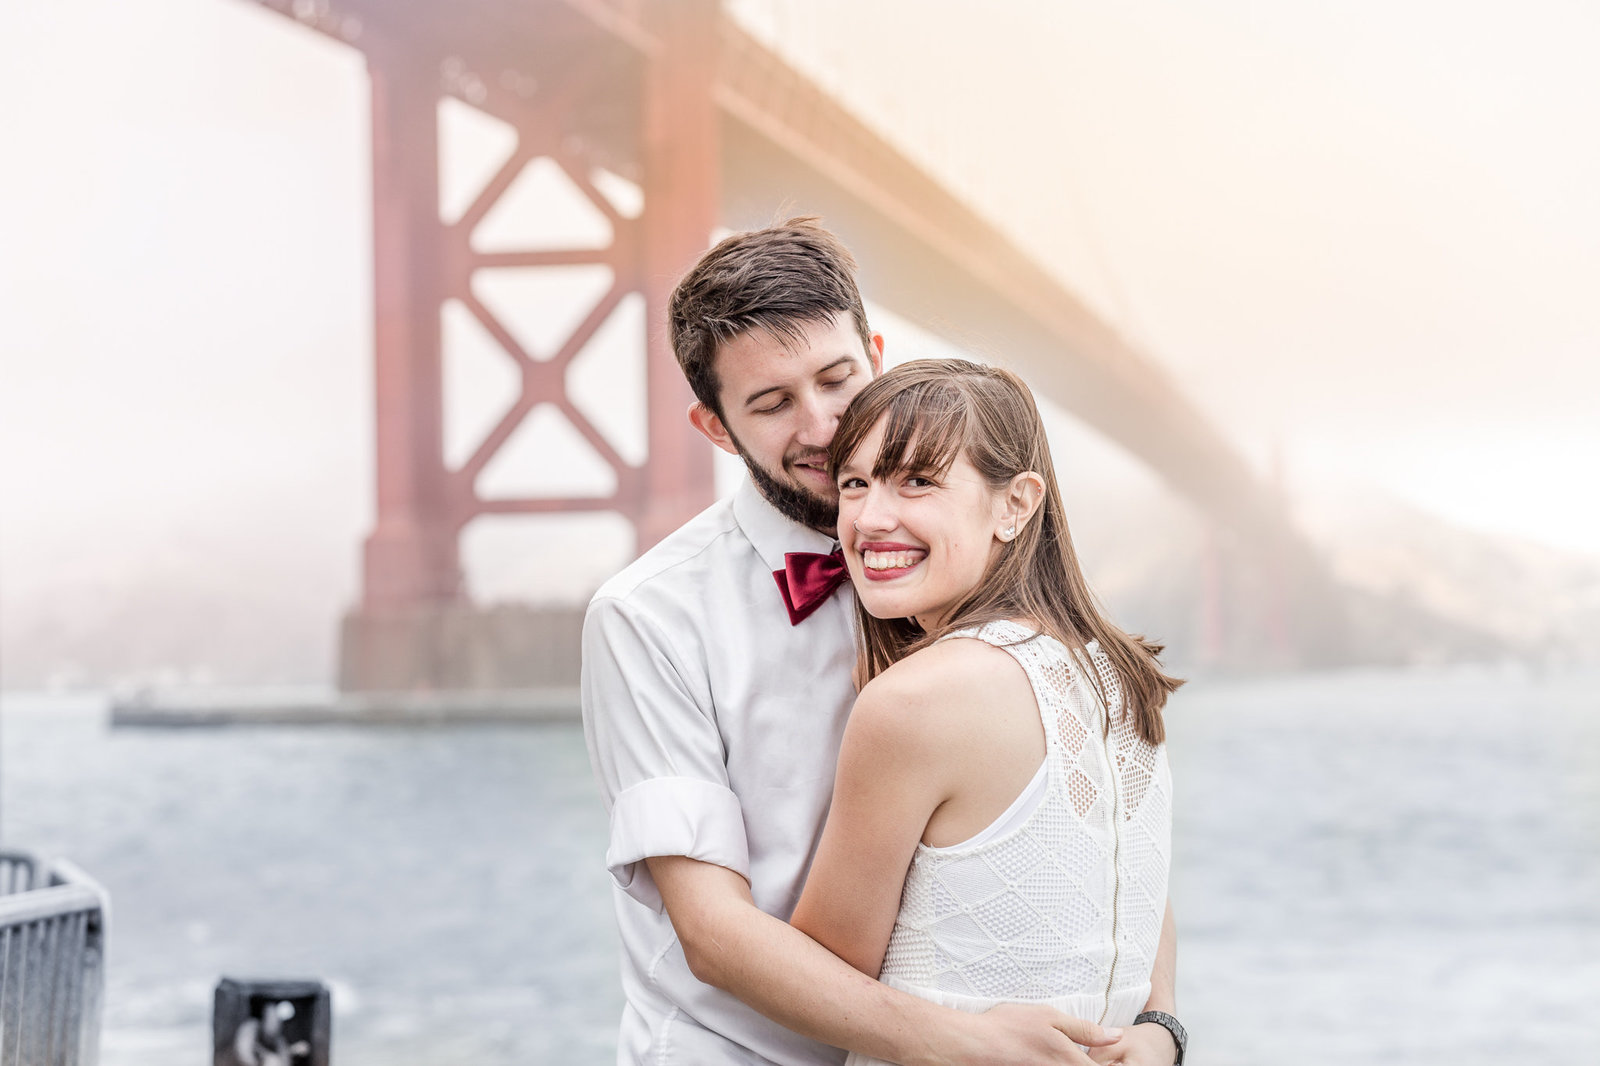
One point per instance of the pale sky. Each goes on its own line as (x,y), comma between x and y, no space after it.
(1364,234)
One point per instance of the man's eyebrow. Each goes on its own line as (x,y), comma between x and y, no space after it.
(754,396)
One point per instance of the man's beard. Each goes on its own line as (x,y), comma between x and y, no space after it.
(793,501)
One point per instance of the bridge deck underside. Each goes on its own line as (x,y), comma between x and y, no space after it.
(923,253)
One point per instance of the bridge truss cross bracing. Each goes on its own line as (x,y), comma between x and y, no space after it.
(715,129)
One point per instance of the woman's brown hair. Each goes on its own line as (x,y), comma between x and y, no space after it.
(937,409)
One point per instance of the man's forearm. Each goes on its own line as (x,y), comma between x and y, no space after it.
(779,971)
(790,978)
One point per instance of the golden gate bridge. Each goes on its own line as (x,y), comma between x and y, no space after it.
(715,129)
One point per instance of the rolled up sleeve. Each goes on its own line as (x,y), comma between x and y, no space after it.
(674,816)
(656,751)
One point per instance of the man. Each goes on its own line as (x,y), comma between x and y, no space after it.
(716,683)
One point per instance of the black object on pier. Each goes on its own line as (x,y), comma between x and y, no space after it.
(271,1023)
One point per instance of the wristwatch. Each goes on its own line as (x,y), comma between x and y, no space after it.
(1180,1036)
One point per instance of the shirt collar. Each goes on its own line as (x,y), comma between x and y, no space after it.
(772,534)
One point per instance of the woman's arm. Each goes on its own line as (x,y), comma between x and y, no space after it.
(1150,1044)
(950,735)
(893,773)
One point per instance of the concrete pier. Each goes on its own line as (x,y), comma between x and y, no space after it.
(191,709)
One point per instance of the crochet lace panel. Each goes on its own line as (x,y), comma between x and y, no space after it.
(1071,901)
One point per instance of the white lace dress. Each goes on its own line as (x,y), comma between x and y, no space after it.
(1062,905)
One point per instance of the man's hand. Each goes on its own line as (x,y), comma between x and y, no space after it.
(1141,1045)
(1023,1035)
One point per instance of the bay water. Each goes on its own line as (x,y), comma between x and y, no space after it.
(1377,866)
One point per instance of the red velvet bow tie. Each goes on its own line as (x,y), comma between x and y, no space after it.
(807,579)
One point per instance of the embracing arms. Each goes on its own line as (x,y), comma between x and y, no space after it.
(791,979)
(833,995)
(678,844)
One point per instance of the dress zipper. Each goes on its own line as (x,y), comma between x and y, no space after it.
(1116,860)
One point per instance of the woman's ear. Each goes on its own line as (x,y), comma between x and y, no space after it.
(1022,498)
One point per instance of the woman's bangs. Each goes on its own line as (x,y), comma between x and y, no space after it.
(923,433)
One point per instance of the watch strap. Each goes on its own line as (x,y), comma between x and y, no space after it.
(1180,1036)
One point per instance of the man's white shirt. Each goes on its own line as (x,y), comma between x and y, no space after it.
(713,725)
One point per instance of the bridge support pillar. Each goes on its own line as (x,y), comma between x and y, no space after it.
(410,571)
(682,195)
(415,627)
(411,555)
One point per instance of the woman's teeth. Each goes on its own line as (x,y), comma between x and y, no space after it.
(890,560)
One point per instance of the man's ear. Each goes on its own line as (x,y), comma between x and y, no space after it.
(711,428)
(875,354)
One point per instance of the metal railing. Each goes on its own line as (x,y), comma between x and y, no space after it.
(52,962)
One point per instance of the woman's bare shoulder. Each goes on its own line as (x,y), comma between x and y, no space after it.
(939,685)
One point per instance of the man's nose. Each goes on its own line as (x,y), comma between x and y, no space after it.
(818,421)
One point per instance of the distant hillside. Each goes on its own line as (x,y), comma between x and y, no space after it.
(1426,591)
(1417,588)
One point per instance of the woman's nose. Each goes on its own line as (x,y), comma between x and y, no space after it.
(876,515)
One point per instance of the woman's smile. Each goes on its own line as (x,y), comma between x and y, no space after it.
(887,560)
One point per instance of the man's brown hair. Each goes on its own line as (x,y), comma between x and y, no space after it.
(777,279)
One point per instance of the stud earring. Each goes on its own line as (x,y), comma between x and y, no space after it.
(1009,533)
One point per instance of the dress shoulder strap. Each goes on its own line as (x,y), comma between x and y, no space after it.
(1002,634)
(1052,674)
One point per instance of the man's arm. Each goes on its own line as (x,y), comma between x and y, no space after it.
(787,976)
(1150,1044)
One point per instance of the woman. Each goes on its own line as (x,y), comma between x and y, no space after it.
(1001,817)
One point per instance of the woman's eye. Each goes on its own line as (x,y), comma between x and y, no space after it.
(919,482)
(851,483)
